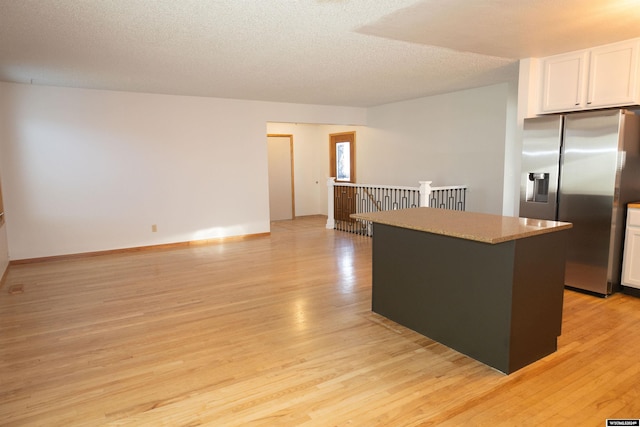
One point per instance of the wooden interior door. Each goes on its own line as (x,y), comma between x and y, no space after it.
(344,203)
(345,198)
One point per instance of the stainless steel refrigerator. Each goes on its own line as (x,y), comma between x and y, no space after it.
(584,168)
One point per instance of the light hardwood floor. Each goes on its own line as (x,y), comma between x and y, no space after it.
(277,331)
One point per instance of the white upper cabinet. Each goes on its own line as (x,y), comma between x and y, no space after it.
(613,75)
(605,76)
(564,81)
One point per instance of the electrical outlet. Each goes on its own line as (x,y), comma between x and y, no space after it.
(154,228)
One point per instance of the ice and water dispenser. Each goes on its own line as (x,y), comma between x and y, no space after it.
(537,187)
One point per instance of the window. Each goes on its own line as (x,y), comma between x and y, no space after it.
(342,156)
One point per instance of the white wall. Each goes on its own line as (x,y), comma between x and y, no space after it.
(451,139)
(89,170)
(458,138)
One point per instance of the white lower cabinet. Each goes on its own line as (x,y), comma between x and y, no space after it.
(631,258)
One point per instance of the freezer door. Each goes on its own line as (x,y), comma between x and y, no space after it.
(586,197)
(540,162)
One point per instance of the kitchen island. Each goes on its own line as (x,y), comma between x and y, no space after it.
(488,286)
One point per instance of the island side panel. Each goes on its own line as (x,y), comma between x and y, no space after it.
(454,291)
(538,292)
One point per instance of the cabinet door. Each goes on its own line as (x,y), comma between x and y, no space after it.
(613,75)
(564,82)
(631,263)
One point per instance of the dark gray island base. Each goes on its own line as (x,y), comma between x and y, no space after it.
(499,303)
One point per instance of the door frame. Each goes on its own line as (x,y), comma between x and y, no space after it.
(335,138)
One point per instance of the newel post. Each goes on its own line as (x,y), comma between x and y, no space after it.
(331,223)
(425,193)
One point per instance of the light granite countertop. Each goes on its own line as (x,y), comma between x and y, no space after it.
(465,225)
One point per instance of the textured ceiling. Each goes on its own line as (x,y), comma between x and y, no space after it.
(335,52)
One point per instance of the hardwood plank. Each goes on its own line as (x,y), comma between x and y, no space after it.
(277,330)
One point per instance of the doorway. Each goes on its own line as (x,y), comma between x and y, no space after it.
(281,190)
(342,167)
